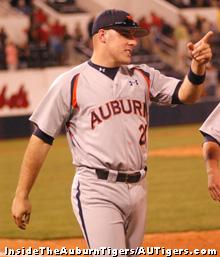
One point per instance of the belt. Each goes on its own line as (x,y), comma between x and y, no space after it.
(120,176)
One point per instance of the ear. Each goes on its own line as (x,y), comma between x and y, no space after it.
(102,35)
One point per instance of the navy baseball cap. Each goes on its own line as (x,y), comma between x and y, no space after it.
(118,20)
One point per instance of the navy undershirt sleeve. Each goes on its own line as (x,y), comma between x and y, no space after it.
(209,138)
(175,97)
(43,136)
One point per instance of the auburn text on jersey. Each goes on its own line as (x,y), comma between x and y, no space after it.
(115,107)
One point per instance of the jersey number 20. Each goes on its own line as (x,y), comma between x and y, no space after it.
(143,129)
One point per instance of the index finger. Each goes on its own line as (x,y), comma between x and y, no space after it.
(207,36)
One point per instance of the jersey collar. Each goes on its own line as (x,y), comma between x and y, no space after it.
(109,72)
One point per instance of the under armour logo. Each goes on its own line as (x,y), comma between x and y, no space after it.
(131,83)
(101,69)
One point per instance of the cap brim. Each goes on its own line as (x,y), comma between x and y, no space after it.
(137,31)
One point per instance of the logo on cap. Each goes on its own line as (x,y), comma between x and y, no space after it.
(129,17)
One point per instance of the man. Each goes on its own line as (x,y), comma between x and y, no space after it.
(211,151)
(104,106)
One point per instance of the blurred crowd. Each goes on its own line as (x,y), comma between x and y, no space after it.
(176,38)
(24,6)
(50,44)
(194,3)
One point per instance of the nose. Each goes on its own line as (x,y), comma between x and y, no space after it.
(133,40)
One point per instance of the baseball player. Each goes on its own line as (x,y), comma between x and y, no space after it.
(104,105)
(211,151)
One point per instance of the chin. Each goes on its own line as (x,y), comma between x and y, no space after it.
(122,59)
(126,60)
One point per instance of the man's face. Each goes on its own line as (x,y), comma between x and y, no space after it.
(120,45)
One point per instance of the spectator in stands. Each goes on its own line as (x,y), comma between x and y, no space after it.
(56,41)
(89,27)
(206,25)
(144,23)
(24,7)
(215,3)
(32,35)
(156,21)
(211,81)
(60,43)
(68,45)
(167,29)
(198,24)
(155,27)
(191,3)
(181,36)
(43,34)
(145,42)
(77,33)
(57,29)
(203,3)
(11,53)
(194,33)
(3,39)
(39,17)
(200,28)
(185,3)
(23,56)
(89,31)
(13,3)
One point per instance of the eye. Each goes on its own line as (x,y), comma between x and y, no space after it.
(126,34)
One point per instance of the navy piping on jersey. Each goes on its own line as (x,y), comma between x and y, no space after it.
(71,88)
(145,73)
(109,72)
(81,214)
(175,97)
(209,138)
(72,84)
(43,136)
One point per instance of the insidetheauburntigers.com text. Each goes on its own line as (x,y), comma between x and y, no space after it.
(108,251)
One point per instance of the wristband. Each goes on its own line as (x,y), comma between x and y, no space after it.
(194,78)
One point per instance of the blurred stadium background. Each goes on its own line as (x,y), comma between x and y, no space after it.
(40,39)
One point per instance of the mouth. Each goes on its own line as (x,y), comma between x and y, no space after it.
(128,51)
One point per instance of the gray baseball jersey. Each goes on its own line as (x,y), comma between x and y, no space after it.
(106,124)
(211,126)
(106,120)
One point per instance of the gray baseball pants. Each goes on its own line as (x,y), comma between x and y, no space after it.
(111,214)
